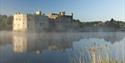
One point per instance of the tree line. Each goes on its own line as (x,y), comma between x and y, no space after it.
(74,26)
(6,22)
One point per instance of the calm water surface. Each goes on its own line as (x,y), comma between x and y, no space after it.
(61,47)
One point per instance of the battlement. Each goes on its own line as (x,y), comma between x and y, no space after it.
(60,14)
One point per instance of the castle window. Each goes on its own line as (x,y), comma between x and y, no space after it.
(40,24)
(19,19)
(16,19)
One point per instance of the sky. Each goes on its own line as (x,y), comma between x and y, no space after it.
(84,10)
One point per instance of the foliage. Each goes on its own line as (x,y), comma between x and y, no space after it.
(5,22)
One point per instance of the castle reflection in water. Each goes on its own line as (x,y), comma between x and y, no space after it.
(37,43)
(26,42)
(60,47)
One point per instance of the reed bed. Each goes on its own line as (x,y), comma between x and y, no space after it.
(102,55)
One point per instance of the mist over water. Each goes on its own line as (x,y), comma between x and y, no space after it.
(60,47)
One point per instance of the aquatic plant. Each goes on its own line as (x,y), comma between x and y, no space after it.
(94,55)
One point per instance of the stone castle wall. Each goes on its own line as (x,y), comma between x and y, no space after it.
(37,22)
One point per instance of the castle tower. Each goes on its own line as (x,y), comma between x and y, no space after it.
(38,13)
(72,15)
(30,22)
(62,13)
(20,22)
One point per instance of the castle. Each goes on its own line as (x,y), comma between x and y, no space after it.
(38,21)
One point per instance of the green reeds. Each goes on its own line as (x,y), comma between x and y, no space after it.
(98,56)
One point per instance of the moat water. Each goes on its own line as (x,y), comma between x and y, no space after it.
(62,47)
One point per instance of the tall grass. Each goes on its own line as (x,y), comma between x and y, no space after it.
(101,56)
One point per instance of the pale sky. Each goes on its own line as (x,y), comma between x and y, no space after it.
(85,10)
